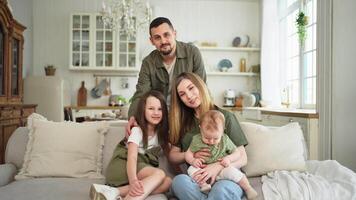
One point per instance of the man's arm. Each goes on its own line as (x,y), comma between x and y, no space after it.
(198,67)
(143,85)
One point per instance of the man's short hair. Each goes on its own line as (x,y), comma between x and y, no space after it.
(158,21)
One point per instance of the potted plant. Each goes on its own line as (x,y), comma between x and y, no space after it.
(301,22)
(50,70)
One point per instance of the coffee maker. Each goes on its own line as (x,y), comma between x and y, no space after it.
(229,98)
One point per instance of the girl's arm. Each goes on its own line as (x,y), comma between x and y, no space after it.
(136,186)
(176,156)
(132,162)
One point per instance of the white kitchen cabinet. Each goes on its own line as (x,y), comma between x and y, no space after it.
(307,121)
(93,46)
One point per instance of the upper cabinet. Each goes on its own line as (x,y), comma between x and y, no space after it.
(11,51)
(93,46)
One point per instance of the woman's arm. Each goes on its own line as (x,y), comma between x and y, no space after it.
(176,156)
(189,156)
(211,171)
(238,158)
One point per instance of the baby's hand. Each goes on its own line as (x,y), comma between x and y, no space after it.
(225,162)
(198,163)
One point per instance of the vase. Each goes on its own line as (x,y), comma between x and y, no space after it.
(82,95)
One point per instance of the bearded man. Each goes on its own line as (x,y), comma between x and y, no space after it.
(162,65)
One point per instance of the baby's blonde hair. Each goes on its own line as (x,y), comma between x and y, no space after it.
(212,120)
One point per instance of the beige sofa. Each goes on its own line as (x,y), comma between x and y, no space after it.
(53,188)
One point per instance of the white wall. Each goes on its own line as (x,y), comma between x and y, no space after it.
(22,12)
(344,83)
(47,37)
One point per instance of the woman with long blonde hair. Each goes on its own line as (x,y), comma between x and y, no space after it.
(190,99)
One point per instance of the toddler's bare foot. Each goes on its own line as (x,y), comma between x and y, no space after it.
(205,188)
(251,193)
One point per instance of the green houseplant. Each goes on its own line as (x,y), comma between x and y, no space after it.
(301,22)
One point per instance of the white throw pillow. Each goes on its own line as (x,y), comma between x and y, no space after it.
(63,149)
(271,149)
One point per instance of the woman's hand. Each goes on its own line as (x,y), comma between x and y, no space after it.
(203,153)
(209,172)
(136,188)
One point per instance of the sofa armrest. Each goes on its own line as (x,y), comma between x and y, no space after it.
(7,173)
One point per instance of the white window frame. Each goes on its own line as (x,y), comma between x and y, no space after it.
(292,10)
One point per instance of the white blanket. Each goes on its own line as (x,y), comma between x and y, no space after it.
(323,180)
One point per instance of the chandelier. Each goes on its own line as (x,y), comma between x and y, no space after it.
(126,15)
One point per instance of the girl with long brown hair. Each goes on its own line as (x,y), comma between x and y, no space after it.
(133,168)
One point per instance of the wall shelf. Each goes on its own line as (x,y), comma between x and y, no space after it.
(229,49)
(232,74)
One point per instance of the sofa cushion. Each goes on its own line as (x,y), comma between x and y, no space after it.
(271,149)
(48,188)
(53,189)
(64,149)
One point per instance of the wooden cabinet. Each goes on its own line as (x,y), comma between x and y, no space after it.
(12,116)
(11,51)
(12,112)
(307,120)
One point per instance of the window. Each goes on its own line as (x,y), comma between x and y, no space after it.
(299,61)
(95,46)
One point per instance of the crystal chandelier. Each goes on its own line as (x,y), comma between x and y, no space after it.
(126,15)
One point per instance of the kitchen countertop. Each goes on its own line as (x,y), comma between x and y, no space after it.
(92,107)
(290,112)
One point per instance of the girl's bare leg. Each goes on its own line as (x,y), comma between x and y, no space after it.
(152,178)
(164,187)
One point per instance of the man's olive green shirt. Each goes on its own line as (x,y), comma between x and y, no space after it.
(154,76)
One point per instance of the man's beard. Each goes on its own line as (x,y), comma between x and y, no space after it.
(166,52)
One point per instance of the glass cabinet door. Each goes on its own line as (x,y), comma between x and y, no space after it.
(80,40)
(127,51)
(104,44)
(15,68)
(2,64)
(95,46)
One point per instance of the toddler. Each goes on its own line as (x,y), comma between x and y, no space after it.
(221,148)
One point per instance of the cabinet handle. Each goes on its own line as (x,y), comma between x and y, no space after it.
(291,120)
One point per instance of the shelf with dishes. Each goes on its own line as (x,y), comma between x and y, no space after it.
(217,48)
(232,74)
(231,61)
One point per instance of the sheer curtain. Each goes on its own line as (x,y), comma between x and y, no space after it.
(270,72)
